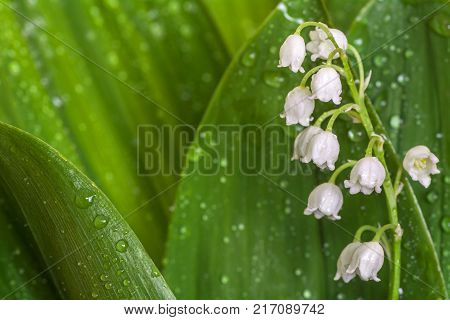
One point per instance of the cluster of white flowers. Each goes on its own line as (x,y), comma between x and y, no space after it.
(321,147)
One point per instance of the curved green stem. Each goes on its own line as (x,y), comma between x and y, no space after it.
(322,26)
(360,69)
(371,144)
(361,230)
(382,230)
(333,53)
(345,108)
(348,164)
(317,68)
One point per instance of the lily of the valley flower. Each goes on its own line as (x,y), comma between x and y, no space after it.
(321,47)
(302,142)
(345,258)
(326,85)
(367,175)
(292,53)
(298,107)
(323,150)
(420,163)
(325,200)
(367,260)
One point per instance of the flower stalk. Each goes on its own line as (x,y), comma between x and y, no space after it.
(368,174)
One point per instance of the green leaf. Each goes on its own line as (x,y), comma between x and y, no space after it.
(410,90)
(250,236)
(246,16)
(83,75)
(341,14)
(88,248)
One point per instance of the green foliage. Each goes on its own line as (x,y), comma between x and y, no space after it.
(83,75)
(256,243)
(84,242)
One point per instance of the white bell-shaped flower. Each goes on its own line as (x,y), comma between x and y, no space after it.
(298,107)
(292,53)
(367,175)
(323,150)
(420,163)
(321,47)
(345,258)
(367,260)
(325,200)
(302,141)
(326,85)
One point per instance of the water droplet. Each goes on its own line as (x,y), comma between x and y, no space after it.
(273,79)
(298,272)
(108,285)
(447,179)
(104,277)
(409,53)
(84,198)
(155,273)
(94,295)
(340,296)
(380,60)
(223,179)
(432,197)
(126,282)
(395,122)
(307,294)
(445,224)
(14,68)
(440,23)
(248,59)
(100,221)
(224,279)
(402,78)
(355,134)
(121,245)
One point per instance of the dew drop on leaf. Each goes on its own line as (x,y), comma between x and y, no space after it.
(84,198)
(224,279)
(248,59)
(273,79)
(440,23)
(355,134)
(121,245)
(432,197)
(100,221)
(380,60)
(395,122)
(126,282)
(445,224)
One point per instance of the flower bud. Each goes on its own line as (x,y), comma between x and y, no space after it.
(321,47)
(367,260)
(298,107)
(325,200)
(345,258)
(292,53)
(323,150)
(302,141)
(326,85)
(367,175)
(420,163)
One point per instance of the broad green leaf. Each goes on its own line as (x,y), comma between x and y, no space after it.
(86,245)
(237,20)
(250,236)
(83,75)
(410,89)
(341,14)
(20,262)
